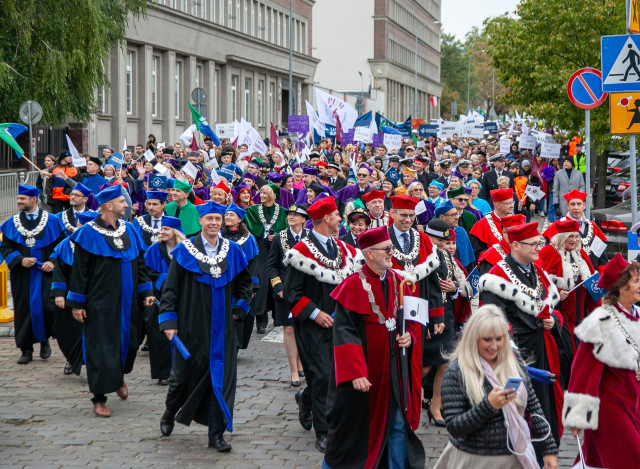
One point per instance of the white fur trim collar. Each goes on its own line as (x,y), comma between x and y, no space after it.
(609,343)
(566,281)
(580,411)
(306,265)
(421,270)
(508,291)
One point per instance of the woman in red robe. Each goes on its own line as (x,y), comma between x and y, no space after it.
(604,390)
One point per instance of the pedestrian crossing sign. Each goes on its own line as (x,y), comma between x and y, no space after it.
(624,113)
(620,63)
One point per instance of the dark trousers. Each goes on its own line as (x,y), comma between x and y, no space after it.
(99,398)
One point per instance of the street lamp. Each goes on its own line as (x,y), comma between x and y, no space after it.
(415,88)
(469,81)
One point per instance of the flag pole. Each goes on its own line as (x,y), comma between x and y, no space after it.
(31,163)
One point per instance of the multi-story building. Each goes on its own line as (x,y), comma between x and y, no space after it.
(367,48)
(236,50)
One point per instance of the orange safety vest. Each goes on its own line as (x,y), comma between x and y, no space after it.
(57,192)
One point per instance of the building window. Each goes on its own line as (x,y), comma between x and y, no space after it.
(247,99)
(253,19)
(205,4)
(260,25)
(261,102)
(154,87)
(272,102)
(234,97)
(279,30)
(178,83)
(221,18)
(245,19)
(129,82)
(185,6)
(303,38)
(216,77)
(195,6)
(237,23)
(199,81)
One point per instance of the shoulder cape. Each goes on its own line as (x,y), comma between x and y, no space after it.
(52,231)
(92,241)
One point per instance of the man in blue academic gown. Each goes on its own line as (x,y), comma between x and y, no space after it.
(108,288)
(207,290)
(28,241)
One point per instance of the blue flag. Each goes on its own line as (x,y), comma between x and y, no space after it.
(590,284)
(393,175)
(474,278)
(116,160)
(203,126)
(158,182)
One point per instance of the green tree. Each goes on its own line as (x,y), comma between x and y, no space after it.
(537,51)
(52,52)
(453,73)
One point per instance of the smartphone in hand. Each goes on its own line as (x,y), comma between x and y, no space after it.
(512,384)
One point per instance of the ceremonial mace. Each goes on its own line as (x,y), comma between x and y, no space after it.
(404,365)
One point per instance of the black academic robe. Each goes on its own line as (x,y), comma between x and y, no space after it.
(308,287)
(360,423)
(200,306)
(67,331)
(338,183)
(68,219)
(157,260)
(534,343)
(490,183)
(111,285)
(282,242)
(143,226)
(349,239)
(33,320)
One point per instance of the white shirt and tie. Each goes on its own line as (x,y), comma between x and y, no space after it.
(326,242)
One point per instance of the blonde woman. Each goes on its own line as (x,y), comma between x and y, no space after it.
(416,190)
(486,423)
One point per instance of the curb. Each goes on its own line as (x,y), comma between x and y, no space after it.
(7,332)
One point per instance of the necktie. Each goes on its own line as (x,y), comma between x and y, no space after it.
(580,224)
(155,224)
(296,238)
(31,217)
(405,243)
(330,250)
(499,174)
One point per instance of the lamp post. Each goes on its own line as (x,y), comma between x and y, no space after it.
(290,59)
(415,88)
(361,94)
(469,81)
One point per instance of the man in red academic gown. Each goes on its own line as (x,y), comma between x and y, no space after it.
(488,231)
(499,251)
(371,422)
(524,292)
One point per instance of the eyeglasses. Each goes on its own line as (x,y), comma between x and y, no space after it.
(453,215)
(461,199)
(362,175)
(539,245)
(388,249)
(405,215)
(506,202)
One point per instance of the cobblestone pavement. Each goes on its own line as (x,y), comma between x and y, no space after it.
(46,419)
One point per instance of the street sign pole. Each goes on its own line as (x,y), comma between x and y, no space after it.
(634,181)
(30,133)
(587,149)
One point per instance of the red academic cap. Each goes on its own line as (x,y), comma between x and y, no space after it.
(612,271)
(373,236)
(374,194)
(512,220)
(498,195)
(404,202)
(561,226)
(321,164)
(322,207)
(524,231)
(575,194)
(223,186)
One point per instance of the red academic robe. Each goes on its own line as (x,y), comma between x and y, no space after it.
(488,230)
(492,256)
(462,304)
(604,396)
(359,423)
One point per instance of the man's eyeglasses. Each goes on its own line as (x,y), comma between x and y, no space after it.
(405,215)
(506,202)
(363,175)
(388,249)
(453,215)
(539,245)
(461,199)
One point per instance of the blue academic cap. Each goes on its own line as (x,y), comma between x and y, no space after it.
(157,195)
(84,190)
(237,210)
(172,222)
(443,208)
(437,184)
(170,182)
(211,207)
(86,216)
(108,194)
(29,191)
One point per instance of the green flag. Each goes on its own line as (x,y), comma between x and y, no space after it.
(9,132)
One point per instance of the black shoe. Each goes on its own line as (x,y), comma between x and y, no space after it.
(45,350)
(163,382)
(25,358)
(67,369)
(219,444)
(166,424)
(437,423)
(295,384)
(261,329)
(304,413)
(321,443)
(145,347)
(301,373)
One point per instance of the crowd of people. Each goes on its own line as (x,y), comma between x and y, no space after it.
(195,249)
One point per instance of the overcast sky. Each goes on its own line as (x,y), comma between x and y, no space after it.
(459,16)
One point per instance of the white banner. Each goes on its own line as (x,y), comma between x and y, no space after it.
(148,155)
(249,136)
(329,104)
(505,145)
(190,170)
(416,309)
(226,131)
(528,142)
(447,129)
(472,130)
(392,142)
(76,159)
(362,134)
(534,193)
(314,120)
(550,150)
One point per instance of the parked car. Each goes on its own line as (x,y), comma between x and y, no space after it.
(615,223)
(617,178)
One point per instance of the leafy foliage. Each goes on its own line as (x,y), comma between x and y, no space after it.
(52,52)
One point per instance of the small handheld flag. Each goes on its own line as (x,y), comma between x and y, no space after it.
(203,126)
(9,132)
(591,285)
(416,309)
(474,278)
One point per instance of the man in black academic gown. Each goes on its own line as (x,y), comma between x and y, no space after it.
(490,178)
(207,272)
(77,199)
(28,241)
(108,288)
(148,225)
(314,267)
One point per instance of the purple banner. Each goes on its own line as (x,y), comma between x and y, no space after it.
(298,124)
(347,137)
(378,139)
